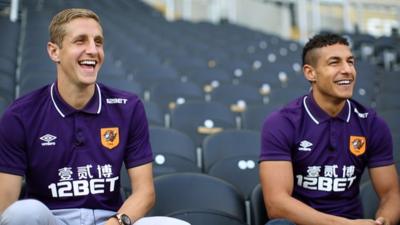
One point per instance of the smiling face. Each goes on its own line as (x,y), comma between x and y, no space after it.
(81,53)
(332,73)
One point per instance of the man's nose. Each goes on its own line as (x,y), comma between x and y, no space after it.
(347,68)
(91,47)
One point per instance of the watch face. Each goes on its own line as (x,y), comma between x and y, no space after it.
(125,219)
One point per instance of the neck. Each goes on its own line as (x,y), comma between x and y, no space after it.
(75,96)
(329,105)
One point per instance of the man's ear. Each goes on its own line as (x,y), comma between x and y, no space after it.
(53,50)
(309,73)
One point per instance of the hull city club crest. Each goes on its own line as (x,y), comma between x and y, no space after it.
(357,145)
(110,137)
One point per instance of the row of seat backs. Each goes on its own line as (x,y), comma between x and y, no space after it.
(231,155)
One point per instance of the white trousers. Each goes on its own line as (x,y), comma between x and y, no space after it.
(34,212)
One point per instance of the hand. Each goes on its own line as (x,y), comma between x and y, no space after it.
(112,221)
(381,221)
(365,222)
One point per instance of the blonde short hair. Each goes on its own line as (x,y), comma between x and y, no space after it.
(56,27)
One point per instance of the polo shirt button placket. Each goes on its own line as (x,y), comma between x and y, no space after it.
(333,138)
(78,132)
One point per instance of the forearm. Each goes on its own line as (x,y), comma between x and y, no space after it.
(138,204)
(10,187)
(300,213)
(389,208)
(6,200)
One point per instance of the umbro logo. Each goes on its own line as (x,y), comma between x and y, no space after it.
(305,146)
(48,139)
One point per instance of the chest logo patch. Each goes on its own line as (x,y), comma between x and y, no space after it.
(357,145)
(48,140)
(109,137)
(305,146)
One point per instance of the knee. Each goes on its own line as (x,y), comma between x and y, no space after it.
(28,211)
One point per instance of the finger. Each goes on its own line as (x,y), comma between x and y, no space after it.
(380,221)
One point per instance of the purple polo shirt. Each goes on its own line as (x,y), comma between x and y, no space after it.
(328,154)
(72,158)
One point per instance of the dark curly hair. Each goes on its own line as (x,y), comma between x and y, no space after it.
(319,41)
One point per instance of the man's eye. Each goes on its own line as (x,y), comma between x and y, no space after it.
(333,63)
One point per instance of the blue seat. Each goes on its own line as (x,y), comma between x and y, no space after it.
(173,151)
(258,211)
(195,191)
(168,95)
(200,119)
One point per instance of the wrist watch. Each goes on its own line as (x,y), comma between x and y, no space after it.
(123,219)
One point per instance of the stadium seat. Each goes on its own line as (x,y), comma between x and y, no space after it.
(391,116)
(369,199)
(230,143)
(154,114)
(282,96)
(209,217)
(3,105)
(195,191)
(206,76)
(149,76)
(35,81)
(122,83)
(241,171)
(200,119)
(173,151)
(230,95)
(387,101)
(253,118)
(168,95)
(258,211)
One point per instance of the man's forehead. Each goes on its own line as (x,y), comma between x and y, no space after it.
(84,27)
(334,51)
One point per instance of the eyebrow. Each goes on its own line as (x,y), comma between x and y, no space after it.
(99,38)
(84,36)
(337,58)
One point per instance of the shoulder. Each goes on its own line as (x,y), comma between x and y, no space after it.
(367,116)
(287,117)
(290,112)
(363,113)
(113,96)
(30,102)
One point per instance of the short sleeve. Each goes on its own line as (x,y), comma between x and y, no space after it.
(13,158)
(138,149)
(380,149)
(276,138)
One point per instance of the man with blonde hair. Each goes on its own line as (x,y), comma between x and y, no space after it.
(70,139)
